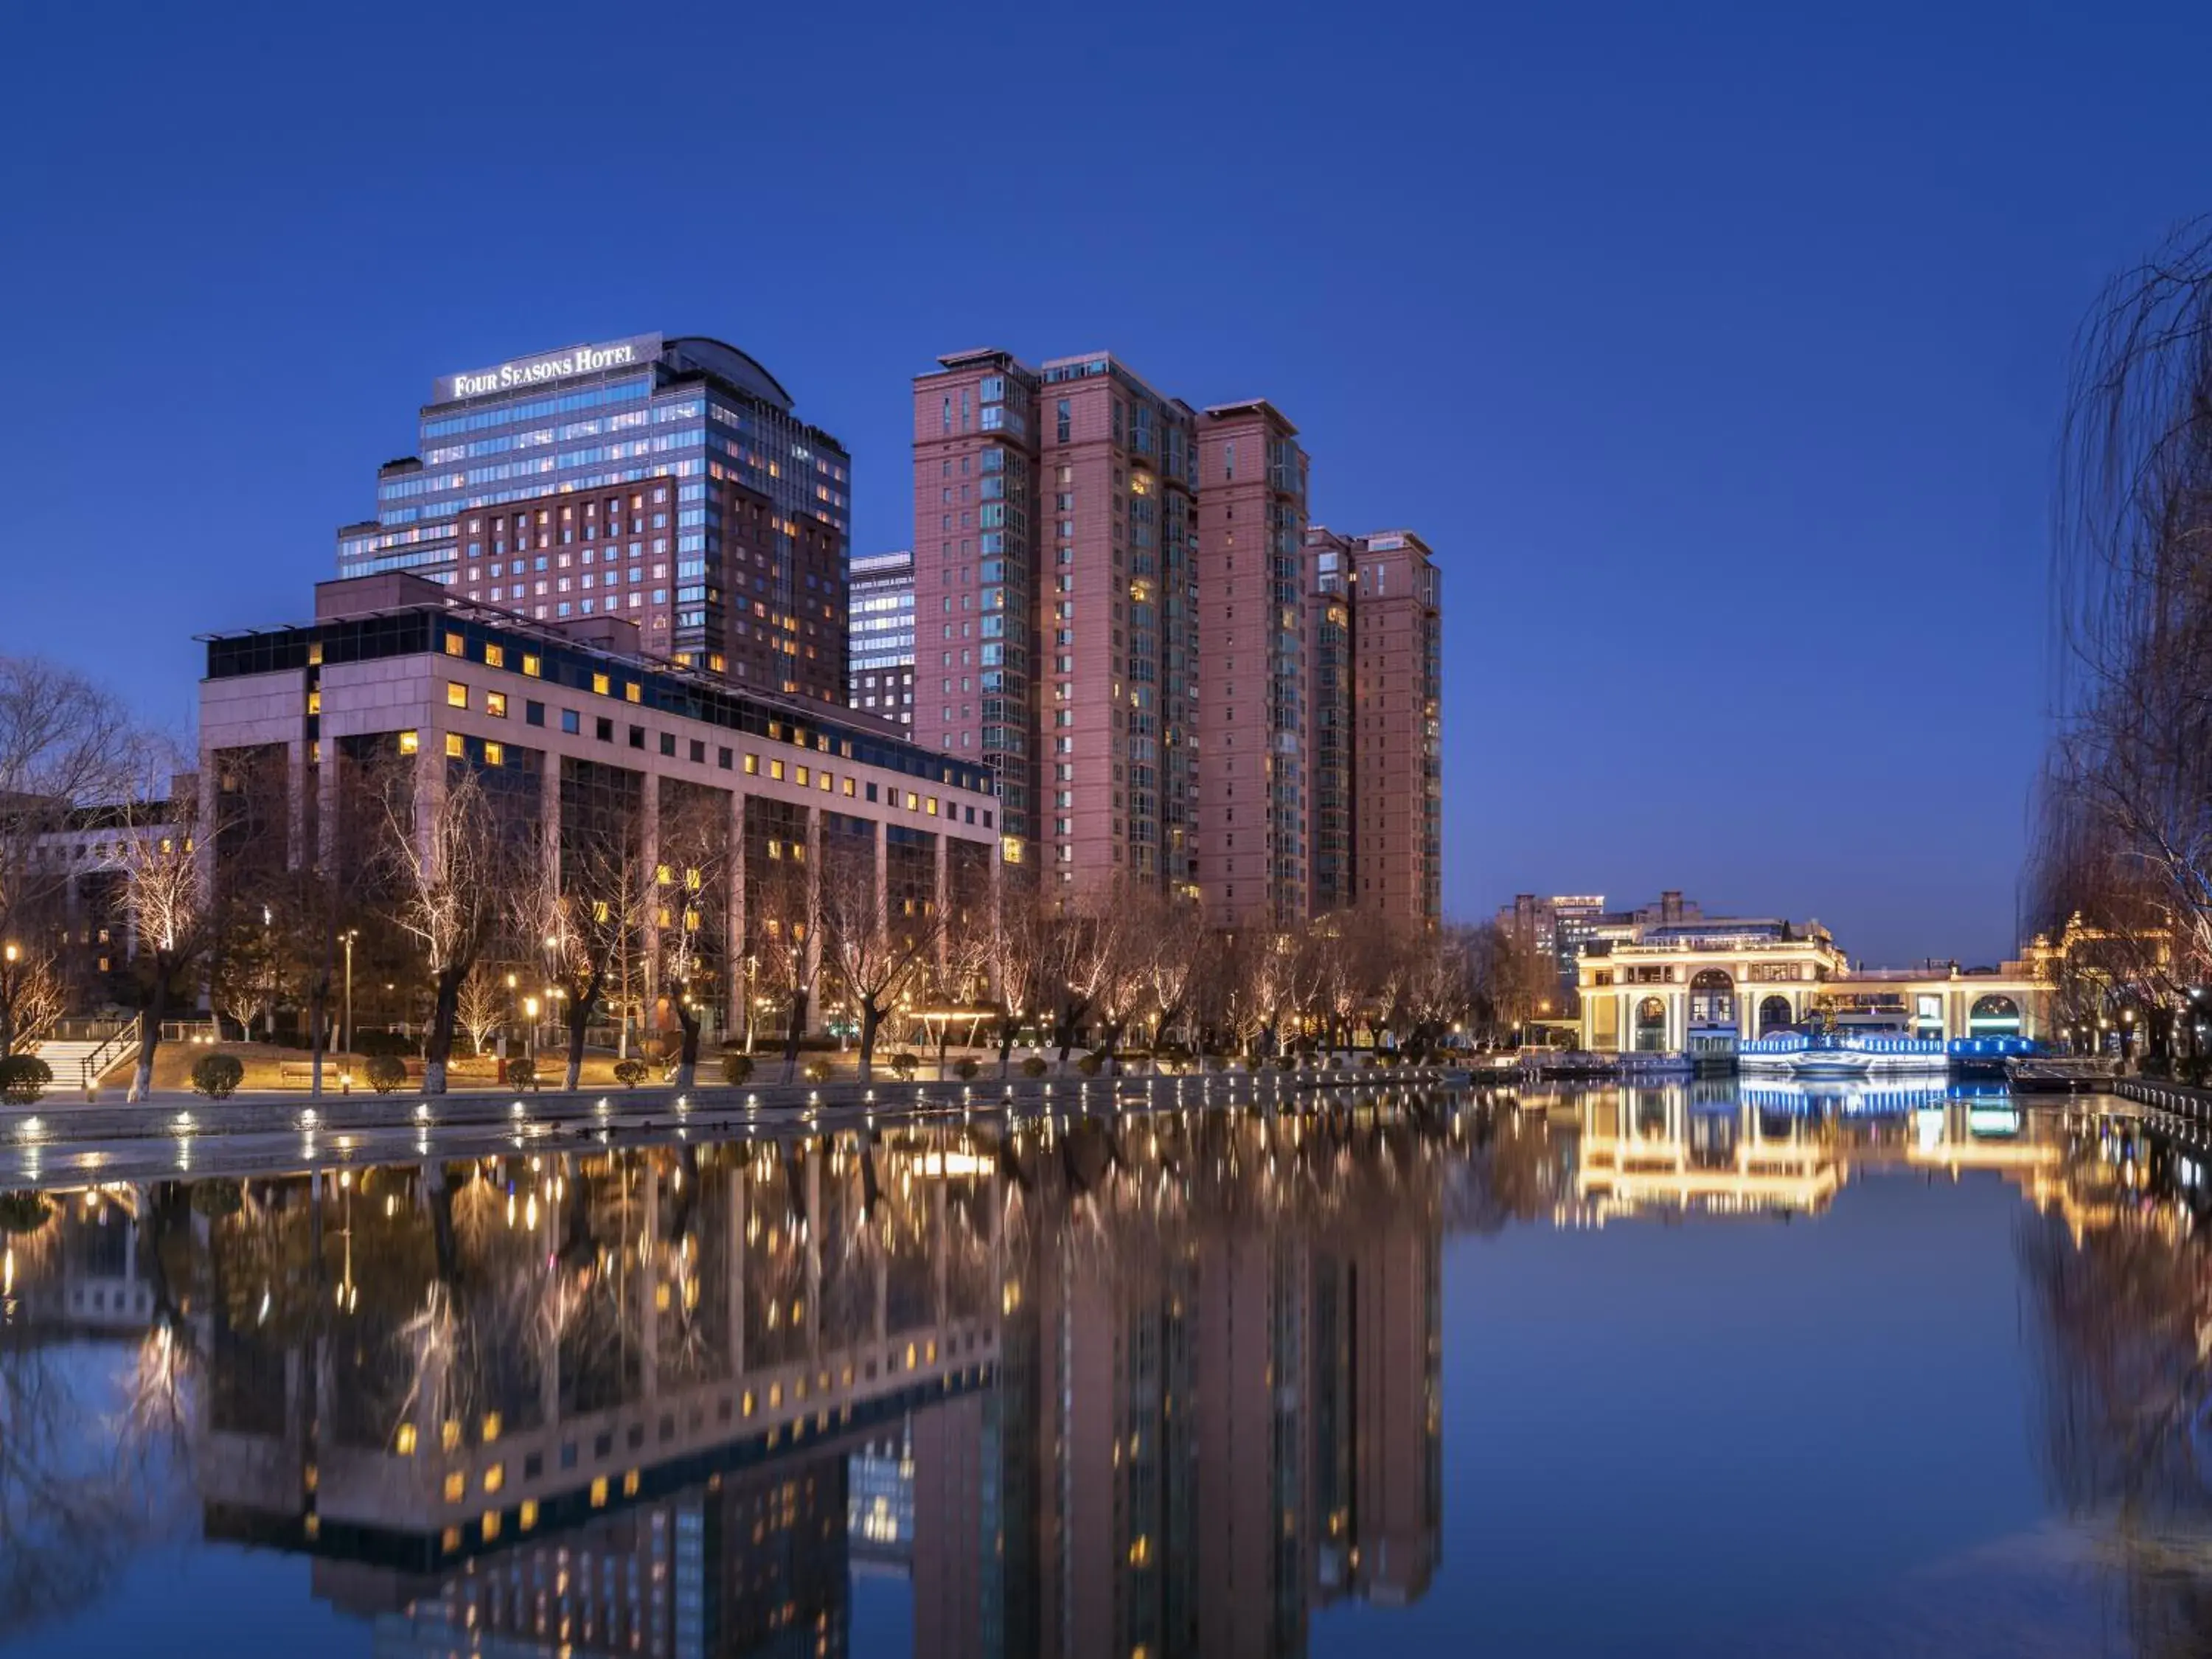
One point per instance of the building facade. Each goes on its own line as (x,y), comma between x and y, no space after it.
(742,511)
(1055,537)
(582,743)
(879,679)
(1118,610)
(1251,726)
(1685,987)
(1398,708)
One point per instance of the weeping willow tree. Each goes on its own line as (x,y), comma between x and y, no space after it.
(2124,807)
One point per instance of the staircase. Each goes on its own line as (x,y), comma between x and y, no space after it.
(78,1065)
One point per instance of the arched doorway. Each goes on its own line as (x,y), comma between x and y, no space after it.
(1712,998)
(1773,1014)
(1650,1026)
(1993,1016)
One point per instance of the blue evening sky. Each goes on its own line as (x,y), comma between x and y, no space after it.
(1717,349)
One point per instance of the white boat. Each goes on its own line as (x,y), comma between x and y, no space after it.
(1842,1055)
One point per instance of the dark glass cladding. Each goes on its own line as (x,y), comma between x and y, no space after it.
(419,633)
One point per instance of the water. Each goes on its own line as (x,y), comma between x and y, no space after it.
(1686,1371)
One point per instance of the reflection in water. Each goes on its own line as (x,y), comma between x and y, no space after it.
(1161,1384)
(1167,1385)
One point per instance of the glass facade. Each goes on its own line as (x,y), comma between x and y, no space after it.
(690,409)
(880,676)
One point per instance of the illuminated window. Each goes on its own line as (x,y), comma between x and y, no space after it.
(630,690)
(455,746)
(804,777)
(454,648)
(495,656)
(600,1494)
(752,765)
(824,779)
(495,704)
(457,695)
(530,665)
(913,801)
(601,684)
(495,754)
(630,1484)
(848,786)
(490,1525)
(315,702)
(529,1513)
(410,742)
(494,1477)
(775,770)
(933,806)
(315,654)
(403,1443)
(457,1486)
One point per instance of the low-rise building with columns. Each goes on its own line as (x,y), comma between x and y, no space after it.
(1700,987)
(573,733)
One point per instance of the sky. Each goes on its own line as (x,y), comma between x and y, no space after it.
(1719,350)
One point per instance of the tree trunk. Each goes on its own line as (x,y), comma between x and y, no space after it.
(317,1036)
(1008,1027)
(944,1043)
(438,1044)
(871,1020)
(687,1061)
(150,1033)
(580,1014)
(796,1025)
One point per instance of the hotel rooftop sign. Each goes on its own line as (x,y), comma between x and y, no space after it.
(564,364)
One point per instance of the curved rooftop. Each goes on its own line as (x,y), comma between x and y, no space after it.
(720,358)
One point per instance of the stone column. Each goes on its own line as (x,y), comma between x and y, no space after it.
(656,896)
(735,864)
(814,919)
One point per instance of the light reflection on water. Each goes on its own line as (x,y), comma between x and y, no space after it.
(1846,1371)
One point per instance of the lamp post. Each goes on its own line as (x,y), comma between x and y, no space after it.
(530,1030)
(12,953)
(345,1034)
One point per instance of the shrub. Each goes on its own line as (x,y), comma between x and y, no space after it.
(967,1068)
(23,1079)
(23,1212)
(736,1068)
(217,1076)
(903,1063)
(522,1071)
(1033,1066)
(385,1072)
(1088,1064)
(818,1071)
(630,1073)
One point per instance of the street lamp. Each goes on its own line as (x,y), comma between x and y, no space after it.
(530,1029)
(345,1043)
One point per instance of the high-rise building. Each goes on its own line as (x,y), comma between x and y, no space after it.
(1251,608)
(1054,588)
(735,513)
(880,678)
(1397,754)
(1089,556)
(1329,719)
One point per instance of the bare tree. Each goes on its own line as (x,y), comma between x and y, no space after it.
(165,902)
(879,957)
(65,745)
(483,1006)
(783,910)
(2126,804)
(690,901)
(447,860)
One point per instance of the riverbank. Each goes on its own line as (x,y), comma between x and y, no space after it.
(59,1121)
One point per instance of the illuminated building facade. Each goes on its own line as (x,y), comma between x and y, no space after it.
(1694,986)
(732,510)
(879,680)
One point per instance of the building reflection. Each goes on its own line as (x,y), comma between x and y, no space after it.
(1160,1384)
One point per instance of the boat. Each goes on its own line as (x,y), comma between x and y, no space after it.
(2059,1075)
(1840,1055)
